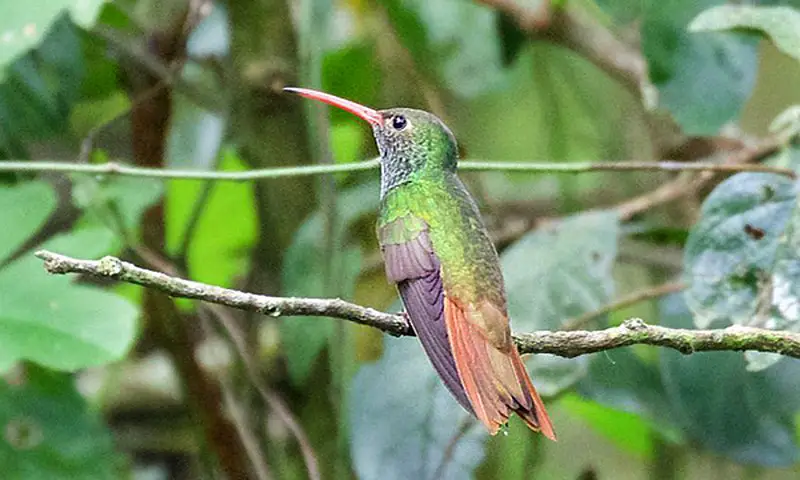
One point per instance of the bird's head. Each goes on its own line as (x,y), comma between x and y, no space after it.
(412,143)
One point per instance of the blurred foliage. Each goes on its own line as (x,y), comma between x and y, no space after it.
(46,319)
(373,407)
(703,80)
(51,433)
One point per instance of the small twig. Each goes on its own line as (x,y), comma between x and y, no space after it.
(113,168)
(647,294)
(466,424)
(249,441)
(685,184)
(273,401)
(562,343)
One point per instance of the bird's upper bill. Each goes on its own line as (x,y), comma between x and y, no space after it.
(374,117)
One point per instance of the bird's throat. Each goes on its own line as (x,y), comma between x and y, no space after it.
(394,172)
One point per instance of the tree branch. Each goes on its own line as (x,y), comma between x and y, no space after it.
(578,32)
(562,343)
(114,168)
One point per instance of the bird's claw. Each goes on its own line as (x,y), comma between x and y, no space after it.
(407,319)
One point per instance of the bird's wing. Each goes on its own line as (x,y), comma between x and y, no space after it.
(412,264)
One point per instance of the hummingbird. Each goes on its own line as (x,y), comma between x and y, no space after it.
(437,251)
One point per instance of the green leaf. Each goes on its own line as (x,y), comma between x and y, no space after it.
(225,231)
(304,275)
(49,431)
(627,430)
(555,273)
(457,40)
(23,24)
(45,318)
(627,400)
(403,421)
(561,271)
(351,72)
(747,416)
(741,259)
(38,89)
(703,80)
(780,24)
(52,321)
(25,206)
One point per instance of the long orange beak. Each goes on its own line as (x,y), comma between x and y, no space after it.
(372,116)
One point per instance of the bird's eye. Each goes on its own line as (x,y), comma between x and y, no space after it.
(399,122)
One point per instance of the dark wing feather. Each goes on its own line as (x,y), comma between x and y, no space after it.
(412,264)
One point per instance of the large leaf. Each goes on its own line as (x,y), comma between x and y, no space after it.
(225,230)
(703,79)
(741,258)
(51,321)
(405,424)
(628,431)
(556,273)
(304,275)
(747,416)
(457,40)
(624,400)
(46,318)
(49,431)
(25,207)
(780,24)
(23,24)
(37,90)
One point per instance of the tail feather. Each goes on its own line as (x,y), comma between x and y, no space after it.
(494,379)
(535,416)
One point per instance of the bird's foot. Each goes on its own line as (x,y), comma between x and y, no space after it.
(407,319)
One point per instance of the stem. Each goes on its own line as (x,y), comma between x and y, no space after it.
(114,168)
(626,301)
(666,459)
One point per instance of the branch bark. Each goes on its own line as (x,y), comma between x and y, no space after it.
(562,343)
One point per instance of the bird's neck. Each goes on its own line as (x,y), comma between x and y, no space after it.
(400,170)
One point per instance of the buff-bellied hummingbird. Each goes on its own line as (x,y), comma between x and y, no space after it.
(438,252)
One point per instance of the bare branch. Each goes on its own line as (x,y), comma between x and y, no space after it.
(639,296)
(562,343)
(686,185)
